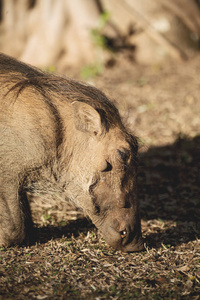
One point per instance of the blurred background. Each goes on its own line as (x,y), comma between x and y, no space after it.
(95,33)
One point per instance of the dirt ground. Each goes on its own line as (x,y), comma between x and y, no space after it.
(161,105)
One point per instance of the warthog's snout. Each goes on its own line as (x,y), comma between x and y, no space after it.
(122,232)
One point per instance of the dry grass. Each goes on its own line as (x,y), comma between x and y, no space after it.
(70,260)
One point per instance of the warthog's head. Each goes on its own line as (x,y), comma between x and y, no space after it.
(105,161)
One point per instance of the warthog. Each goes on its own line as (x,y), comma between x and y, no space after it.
(64,136)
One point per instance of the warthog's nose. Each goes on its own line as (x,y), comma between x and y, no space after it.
(131,242)
(122,235)
(134,246)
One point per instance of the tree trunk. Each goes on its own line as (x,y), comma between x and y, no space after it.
(84,16)
(42,32)
(46,33)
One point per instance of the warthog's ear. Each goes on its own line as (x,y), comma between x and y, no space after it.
(86,118)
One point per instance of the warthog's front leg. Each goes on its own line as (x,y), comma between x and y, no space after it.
(15,218)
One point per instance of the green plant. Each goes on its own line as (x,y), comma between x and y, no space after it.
(92,70)
(97,33)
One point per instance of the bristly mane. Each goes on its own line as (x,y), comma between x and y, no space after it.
(19,76)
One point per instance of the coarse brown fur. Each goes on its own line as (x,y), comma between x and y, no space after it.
(61,135)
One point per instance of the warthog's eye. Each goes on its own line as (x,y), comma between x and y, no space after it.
(123,233)
(108,167)
(124,154)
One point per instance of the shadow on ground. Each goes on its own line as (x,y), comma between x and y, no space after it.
(169,193)
(73,228)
